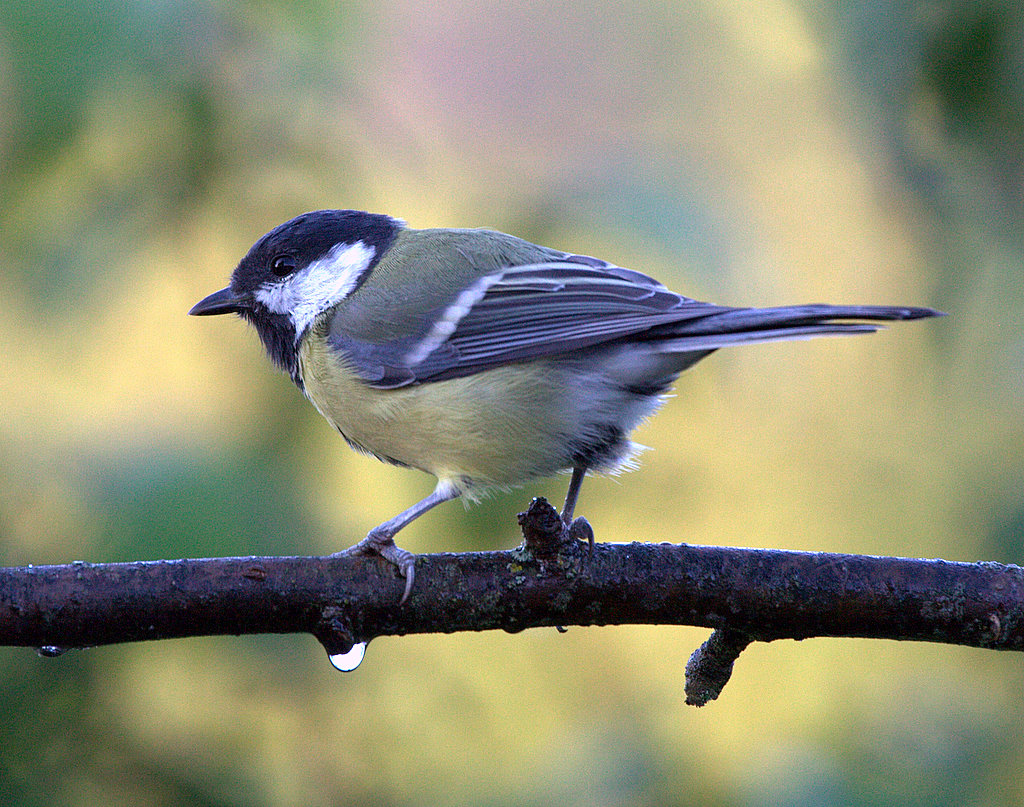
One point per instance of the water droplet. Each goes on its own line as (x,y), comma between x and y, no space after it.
(346,662)
(51,651)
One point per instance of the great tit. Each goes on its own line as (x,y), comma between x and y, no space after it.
(481,358)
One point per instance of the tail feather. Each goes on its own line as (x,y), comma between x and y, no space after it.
(753,325)
(762,319)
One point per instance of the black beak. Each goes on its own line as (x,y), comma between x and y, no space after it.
(224,301)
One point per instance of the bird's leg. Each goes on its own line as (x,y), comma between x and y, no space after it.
(573,493)
(579,528)
(381,539)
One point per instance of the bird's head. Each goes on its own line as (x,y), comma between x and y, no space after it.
(299,270)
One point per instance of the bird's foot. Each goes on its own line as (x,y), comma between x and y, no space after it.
(579,529)
(382,544)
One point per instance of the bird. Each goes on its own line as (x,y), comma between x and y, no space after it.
(481,358)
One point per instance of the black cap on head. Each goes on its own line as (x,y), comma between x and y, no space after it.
(308,238)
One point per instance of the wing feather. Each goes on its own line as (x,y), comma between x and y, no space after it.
(534,310)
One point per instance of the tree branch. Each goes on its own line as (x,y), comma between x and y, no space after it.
(552,580)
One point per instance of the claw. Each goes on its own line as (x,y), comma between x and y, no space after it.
(385,547)
(404,560)
(580,530)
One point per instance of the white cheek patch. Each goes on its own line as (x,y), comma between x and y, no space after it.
(318,286)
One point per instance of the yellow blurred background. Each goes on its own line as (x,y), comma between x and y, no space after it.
(745,153)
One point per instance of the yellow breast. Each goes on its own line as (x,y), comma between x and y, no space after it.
(503,426)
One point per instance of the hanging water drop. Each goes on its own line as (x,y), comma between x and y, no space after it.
(51,651)
(346,662)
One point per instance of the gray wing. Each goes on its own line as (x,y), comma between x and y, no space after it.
(532,311)
(535,310)
(519,313)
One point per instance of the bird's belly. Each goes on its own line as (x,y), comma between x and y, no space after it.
(500,427)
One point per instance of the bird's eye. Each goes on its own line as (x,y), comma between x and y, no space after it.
(282,265)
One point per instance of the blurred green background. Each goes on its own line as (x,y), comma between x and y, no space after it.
(745,153)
